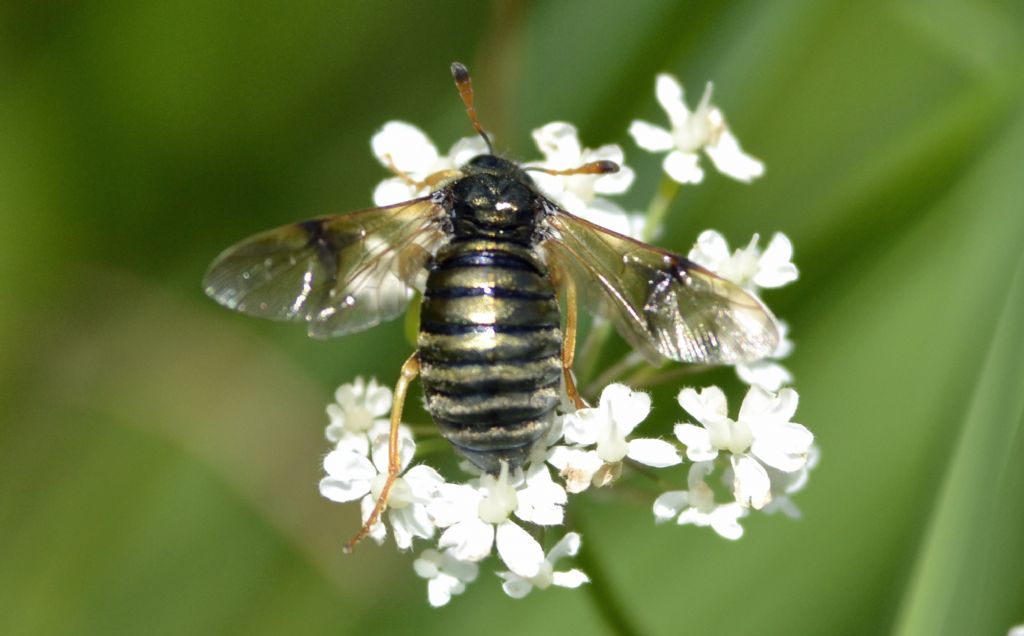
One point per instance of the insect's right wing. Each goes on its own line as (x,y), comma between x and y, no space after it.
(339,274)
(663,304)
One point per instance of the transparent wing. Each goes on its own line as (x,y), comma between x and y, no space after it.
(340,274)
(661,303)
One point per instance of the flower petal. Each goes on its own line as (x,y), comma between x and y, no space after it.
(576,466)
(468,540)
(541,501)
(626,407)
(583,426)
(392,191)
(466,571)
(710,250)
(668,505)
(761,408)
(707,406)
(428,564)
(669,93)
(650,137)
(653,452)
(345,441)
(377,399)
(465,149)
(520,551)
(441,588)
(559,143)
(515,586)
(348,476)
(454,503)
(730,159)
(682,167)
(697,441)
(725,520)
(775,267)
(411,521)
(408,148)
(571,578)
(567,546)
(423,482)
(768,375)
(784,446)
(750,485)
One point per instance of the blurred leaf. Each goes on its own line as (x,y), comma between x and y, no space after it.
(967,578)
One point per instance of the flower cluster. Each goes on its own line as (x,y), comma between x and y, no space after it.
(725,467)
(764,455)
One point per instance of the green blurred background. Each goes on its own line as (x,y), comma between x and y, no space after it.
(159,455)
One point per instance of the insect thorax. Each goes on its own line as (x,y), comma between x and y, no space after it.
(495,199)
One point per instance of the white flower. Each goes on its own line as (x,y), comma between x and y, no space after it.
(578,193)
(406,148)
(606,427)
(517,586)
(767,373)
(350,475)
(704,128)
(1016,630)
(446,576)
(359,406)
(476,517)
(784,485)
(747,267)
(761,436)
(541,500)
(697,506)
(576,466)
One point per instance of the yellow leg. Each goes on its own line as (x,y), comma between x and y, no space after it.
(401,175)
(569,345)
(432,181)
(410,370)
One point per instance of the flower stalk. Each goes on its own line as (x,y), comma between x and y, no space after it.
(668,189)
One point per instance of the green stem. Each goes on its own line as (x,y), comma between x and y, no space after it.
(608,603)
(656,211)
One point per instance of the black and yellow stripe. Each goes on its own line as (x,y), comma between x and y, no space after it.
(490,349)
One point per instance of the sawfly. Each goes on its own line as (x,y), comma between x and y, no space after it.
(502,270)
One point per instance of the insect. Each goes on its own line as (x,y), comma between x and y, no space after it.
(499,265)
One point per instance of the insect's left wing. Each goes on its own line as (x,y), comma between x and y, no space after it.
(339,274)
(663,304)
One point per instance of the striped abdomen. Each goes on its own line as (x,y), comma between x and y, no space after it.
(490,350)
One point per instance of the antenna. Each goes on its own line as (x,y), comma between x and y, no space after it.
(465,85)
(603,166)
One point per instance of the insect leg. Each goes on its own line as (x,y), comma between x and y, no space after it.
(395,170)
(410,370)
(432,181)
(569,344)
